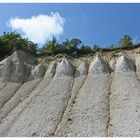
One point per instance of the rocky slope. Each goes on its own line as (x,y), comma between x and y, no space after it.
(93,96)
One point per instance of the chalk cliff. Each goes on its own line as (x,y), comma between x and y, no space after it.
(90,96)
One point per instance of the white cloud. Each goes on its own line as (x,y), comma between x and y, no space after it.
(40,28)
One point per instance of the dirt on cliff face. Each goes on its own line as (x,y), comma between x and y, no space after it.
(97,95)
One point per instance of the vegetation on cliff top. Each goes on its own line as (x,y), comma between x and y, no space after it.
(11,41)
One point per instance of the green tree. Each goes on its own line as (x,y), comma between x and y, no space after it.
(12,41)
(111,46)
(85,49)
(95,48)
(71,46)
(50,47)
(74,42)
(126,41)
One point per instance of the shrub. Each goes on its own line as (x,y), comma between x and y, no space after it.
(11,41)
(126,41)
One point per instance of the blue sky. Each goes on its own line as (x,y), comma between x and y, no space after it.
(101,24)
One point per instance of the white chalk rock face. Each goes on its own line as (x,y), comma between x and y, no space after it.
(98,65)
(51,70)
(38,72)
(112,63)
(124,64)
(7,92)
(138,66)
(65,68)
(21,69)
(18,72)
(5,69)
(18,97)
(1,70)
(16,68)
(82,69)
(20,55)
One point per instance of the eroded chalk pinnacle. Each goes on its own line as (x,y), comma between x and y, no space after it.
(124,64)
(98,65)
(51,70)
(82,69)
(65,68)
(38,71)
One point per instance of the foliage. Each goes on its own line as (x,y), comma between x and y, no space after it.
(112,46)
(69,47)
(126,41)
(11,41)
(95,48)
(50,47)
(85,49)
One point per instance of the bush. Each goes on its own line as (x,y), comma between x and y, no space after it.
(69,47)
(126,41)
(85,49)
(11,41)
(95,48)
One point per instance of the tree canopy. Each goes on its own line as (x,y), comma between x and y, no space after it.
(126,41)
(12,41)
